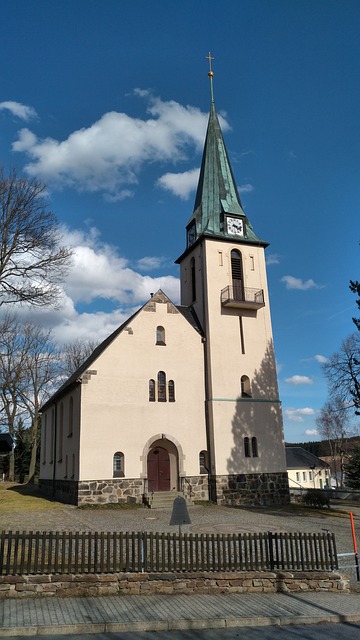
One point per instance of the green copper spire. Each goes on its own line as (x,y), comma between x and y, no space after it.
(217,195)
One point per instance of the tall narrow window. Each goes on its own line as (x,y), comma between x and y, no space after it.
(61,433)
(151,390)
(237,275)
(52,431)
(254,447)
(247,447)
(245,387)
(171,387)
(118,465)
(71,417)
(193,280)
(44,439)
(161,386)
(160,336)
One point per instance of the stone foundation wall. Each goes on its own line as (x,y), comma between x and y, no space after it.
(242,489)
(147,583)
(255,489)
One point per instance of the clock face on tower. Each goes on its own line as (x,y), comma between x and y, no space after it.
(191,234)
(235,226)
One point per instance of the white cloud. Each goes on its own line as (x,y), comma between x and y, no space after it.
(149,263)
(99,272)
(19,110)
(99,275)
(297,283)
(321,359)
(180,184)
(245,188)
(108,155)
(272,258)
(311,432)
(297,415)
(299,380)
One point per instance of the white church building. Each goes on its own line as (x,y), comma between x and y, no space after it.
(181,399)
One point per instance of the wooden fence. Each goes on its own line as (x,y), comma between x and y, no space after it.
(114,552)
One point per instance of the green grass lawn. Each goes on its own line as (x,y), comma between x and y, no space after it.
(23,497)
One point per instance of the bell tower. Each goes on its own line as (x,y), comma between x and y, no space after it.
(223,278)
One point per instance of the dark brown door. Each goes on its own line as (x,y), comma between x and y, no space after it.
(158,466)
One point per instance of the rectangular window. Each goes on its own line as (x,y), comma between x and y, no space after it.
(220,258)
(297,476)
(310,476)
(252,263)
(304,476)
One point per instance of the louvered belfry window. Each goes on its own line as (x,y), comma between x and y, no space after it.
(237,274)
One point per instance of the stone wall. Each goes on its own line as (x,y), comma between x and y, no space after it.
(242,489)
(147,583)
(255,489)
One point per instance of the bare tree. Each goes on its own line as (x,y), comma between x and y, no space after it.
(11,370)
(32,260)
(41,371)
(343,372)
(29,370)
(74,354)
(334,426)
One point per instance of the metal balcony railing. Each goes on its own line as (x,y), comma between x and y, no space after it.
(242,297)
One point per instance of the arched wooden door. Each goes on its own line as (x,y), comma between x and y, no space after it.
(158,469)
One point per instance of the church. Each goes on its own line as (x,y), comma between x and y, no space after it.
(180,399)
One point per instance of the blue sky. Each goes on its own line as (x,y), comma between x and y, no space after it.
(107,102)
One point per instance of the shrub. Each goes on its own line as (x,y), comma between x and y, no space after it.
(316,498)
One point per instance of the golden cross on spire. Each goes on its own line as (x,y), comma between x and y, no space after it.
(209,57)
(211,75)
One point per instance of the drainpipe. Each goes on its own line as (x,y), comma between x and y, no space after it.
(208,406)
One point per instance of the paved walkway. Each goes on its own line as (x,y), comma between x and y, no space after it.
(45,616)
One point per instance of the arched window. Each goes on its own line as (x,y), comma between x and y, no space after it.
(151,390)
(61,433)
(71,417)
(245,387)
(171,387)
(161,379)
(118,465)
(237,275)
(254,447)
(193,279)
(203,462)
(160,336)
(247,447)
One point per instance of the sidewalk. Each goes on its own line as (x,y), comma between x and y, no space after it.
(45,616)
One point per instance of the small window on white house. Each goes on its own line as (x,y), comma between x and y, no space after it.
(118,465)
(298,476)
(304,476)
(171,389)
(161,386)
(151,390)
(310,476)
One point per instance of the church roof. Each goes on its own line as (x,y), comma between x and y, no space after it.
(217,193)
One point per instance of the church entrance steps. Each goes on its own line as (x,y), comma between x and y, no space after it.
(165,499)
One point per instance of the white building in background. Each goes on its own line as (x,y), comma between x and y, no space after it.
(305,470)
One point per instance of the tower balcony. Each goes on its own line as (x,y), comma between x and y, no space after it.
(242,298)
